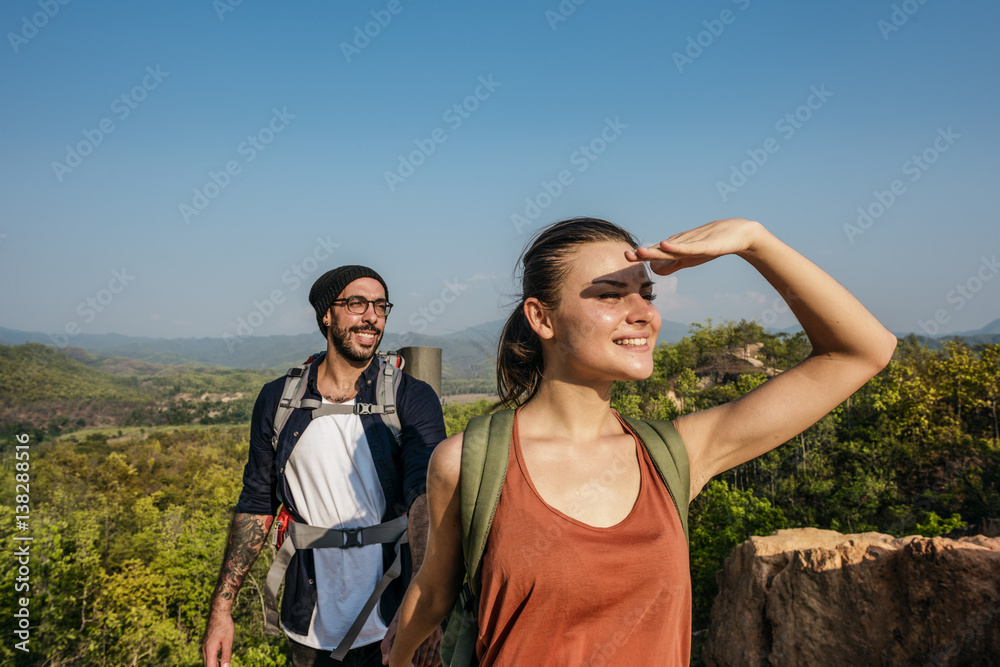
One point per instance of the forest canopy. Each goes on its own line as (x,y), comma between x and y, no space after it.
(129,525)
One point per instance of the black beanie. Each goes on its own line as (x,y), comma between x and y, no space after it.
(328,287)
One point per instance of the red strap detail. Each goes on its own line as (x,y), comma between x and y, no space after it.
(283,519)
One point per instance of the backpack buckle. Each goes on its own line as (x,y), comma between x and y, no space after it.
(363,409)
(352,538)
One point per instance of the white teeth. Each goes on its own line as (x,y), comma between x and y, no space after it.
(631,341)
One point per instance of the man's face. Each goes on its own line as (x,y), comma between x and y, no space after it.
(356,337)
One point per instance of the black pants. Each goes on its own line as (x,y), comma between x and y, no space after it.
(369,655)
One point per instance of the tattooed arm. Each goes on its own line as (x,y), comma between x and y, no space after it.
(246,538)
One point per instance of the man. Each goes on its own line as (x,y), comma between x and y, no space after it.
(334,471)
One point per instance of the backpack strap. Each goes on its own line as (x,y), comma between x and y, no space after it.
(485,454)
(389,377)
(670,458)
(291,397)
(302,536)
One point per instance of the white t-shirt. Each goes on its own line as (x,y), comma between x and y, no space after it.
(333,483)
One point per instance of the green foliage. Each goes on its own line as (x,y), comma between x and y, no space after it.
(35,372)
(918,442)
(628,405)
(128,537)
(935,526)
(782,351)
(457,415)
(720,518)
(267,655)
(129,524)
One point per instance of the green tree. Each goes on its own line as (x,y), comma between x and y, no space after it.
(720,518)
(457,415)
(933,525)
(957,374)
(687,390)
(989,381)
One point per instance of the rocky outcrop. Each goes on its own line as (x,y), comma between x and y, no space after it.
(817,597)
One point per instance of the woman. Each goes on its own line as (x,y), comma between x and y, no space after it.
(614,588)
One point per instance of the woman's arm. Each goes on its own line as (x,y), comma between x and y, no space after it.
(435,587)
(849,347)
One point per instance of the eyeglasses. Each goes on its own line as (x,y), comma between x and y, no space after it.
(359,305)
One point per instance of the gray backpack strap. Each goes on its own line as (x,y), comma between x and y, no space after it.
(352,633)
(303,536)
(291,398)
(389,377)
(356,409)
(669,455)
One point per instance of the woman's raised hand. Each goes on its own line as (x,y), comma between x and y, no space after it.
(699,245)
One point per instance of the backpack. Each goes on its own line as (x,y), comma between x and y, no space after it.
(291,535)
(485,454)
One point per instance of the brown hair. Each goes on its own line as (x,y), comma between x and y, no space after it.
(543,269)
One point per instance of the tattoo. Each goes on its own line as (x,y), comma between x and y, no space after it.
(417,530)
(246,538)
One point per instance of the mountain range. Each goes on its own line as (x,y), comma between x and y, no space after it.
(466,354)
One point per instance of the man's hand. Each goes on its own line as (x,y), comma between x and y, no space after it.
(429,653)
(218,639)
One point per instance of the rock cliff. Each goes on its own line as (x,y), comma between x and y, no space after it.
(817,597)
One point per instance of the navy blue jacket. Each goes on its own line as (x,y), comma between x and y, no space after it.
(402,471)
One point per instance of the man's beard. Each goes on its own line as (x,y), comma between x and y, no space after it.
(341,339)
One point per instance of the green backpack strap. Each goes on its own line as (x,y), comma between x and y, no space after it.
(669,455)
(485,454)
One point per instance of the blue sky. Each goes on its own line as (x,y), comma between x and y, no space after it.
(172,168)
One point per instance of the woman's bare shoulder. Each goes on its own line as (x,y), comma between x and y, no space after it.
(446,461)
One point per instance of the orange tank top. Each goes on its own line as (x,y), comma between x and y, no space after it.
(557,591)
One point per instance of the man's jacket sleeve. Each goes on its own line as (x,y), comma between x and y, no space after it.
(423,428)
(259,495)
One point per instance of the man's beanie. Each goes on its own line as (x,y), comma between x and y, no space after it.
(328,287)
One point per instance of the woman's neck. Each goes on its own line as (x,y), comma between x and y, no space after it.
(573,411)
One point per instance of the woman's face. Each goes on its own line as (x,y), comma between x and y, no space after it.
(605,325)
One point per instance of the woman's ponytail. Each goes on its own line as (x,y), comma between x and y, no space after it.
(519,361)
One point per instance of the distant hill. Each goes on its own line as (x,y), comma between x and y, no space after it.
(972,338)
(49,390)
(273,353)
(993,328)
(34,372)
(465,354)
